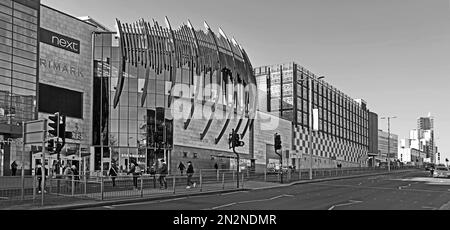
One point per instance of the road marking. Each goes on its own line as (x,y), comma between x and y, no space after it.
(352,202)
(149,202)
(250,201)
(425,207)
(380,188)
(223,206)
(108,207)
(232,193)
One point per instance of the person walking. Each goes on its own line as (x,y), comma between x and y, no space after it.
(181,167)
(68,173)
(113,173)
(134,171)
(190,173)
(38,173)
(162,175)
(14,168)
(216,166)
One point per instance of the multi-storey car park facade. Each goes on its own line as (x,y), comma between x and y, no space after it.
(343,135)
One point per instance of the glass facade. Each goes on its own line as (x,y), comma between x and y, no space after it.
(288,97)
(18,61)
(130,131)
(139,74)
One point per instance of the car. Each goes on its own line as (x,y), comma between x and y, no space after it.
(441,171)
(428,166)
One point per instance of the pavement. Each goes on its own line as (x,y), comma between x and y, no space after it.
(411,190)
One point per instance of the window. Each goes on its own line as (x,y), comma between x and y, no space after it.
(185,154)
(195,156)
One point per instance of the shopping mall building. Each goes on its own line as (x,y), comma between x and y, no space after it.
(145,92)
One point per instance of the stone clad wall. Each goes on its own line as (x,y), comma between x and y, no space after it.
(78,75)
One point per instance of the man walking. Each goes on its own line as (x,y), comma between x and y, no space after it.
(181,167)
(69,175)
(113,173)
(38,173)
(190,173)
(134,171)
(14,168)
(162,175)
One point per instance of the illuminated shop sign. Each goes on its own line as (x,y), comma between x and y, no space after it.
(132,156)
(58,40)
(60,67)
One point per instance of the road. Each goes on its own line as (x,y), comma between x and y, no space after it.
(406,191)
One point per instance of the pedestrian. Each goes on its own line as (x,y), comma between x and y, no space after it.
(134,172)
(181,167)
(75,173)
(14,168)
(162,175)
(68,173)
(216,166)
(38,173)
(190,173)
(113,173)
(432,170)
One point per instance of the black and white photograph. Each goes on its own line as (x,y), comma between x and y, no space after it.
(224,106)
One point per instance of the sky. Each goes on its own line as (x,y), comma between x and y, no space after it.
(393,54)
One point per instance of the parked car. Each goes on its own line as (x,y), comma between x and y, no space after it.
(441,171)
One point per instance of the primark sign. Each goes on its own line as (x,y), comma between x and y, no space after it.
(58,40)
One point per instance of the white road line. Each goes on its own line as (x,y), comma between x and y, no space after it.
(232,193)
(108,207)
(250,201)
(352,202)
(223,206)
(380,188)
(150,202)
(425,207)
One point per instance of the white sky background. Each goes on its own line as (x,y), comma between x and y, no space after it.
(393,54)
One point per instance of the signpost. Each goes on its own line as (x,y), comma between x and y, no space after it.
(34,132)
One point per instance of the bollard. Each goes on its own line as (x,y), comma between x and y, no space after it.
(101,188)
(73,185)
(174,180)
(243,177)
(265,175)
(142,186)
(85,185)
(34,188)
(23,187)
(223,181)
(201,182)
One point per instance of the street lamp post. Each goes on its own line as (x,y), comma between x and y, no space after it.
(310,132)
(389,139)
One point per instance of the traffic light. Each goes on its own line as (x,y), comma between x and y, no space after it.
(58,125)
(237,139)
(51,145)
(234,140)
(54,124)
(278,142)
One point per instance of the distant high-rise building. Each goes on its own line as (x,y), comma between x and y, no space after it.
(425,123)
(425,135)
